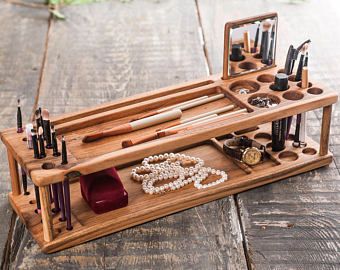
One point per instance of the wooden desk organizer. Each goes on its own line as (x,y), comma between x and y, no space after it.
(51,234)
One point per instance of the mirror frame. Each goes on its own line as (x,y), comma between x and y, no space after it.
(233,24)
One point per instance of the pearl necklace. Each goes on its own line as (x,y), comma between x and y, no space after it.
(174,166)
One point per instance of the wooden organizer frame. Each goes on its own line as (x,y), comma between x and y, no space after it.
(51,234)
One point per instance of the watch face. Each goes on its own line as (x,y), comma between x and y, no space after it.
(251,156)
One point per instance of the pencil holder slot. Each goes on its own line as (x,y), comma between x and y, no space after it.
(248,85)
(309,151)
(288,156)
(309,84)
(247,65)
(48,166)
(282,70)
(291,78)
(266,78)
(257,56)
(269,145)
(293,95)
(315,91)
(263,137)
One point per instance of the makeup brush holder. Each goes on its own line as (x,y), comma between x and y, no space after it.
(203,141)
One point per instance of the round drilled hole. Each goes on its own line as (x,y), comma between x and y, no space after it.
(247,65)
(228,136)
(263,137)
(293,95)
(291,78)
(24,139)
(269,145)
(266,78)
(309,151)
(288,156)
(282,70)
(274,99)
(32,202)
(315,91)
(309,84)
(58,230)
(249,86)
(48,165)
(257,56)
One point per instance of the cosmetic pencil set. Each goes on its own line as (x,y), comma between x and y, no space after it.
(147,156)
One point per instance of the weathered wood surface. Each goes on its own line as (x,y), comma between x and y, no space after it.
(292,224)
(109,50)
(21,52)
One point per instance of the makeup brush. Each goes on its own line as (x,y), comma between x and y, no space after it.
(56,153)
(41,121)
(302,137)
(63,151)
(168,108)
(296,142)
(288,60)
(304,79)
(41,142)
(28,129)
(254,49)
(35,143)
(246,41)
(271,47)
(306,60)
(178,128)
(135,125)
(296,53)
(19,119)
(37,198)
(37,118)
(47,128)
(264,40)
(301,63)
(24,182)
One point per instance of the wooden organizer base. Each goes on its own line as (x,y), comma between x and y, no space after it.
(143,207)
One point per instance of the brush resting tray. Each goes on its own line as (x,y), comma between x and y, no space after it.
(85,159)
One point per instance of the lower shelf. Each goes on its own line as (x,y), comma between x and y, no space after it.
(142,207)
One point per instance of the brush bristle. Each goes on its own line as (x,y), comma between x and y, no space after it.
(45,114)
(40,131)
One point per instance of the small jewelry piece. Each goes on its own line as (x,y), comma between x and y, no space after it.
(262,102)
(182,168)
(243,91)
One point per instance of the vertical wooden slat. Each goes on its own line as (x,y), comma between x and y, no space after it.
(325,128)
(13,170)
(46,213)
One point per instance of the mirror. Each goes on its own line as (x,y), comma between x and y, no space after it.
(250,45)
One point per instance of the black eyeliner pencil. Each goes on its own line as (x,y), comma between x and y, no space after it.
(288,59)
(37,118)
(256,38)
(24,181)
(19,119)
(47,128)
(37,198)
(66,185)
(299,70)
(296,142)
(63,151)
(61,201)
(56,153)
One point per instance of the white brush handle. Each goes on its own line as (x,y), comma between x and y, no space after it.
(190,123)
(217,111)
(200,102)
(156,119)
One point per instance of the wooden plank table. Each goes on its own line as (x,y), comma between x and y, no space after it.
(109,50)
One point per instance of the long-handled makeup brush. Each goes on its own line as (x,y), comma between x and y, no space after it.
(305,64)
(19,119)
(41,142)
(56,153)
(63,151)
(41,121)
(271,47)
(246,41)
(254,49)
(37,198)
(35,143)
(288,62)
(203,115)
(168,108)
(175,129)
(24,182)
(135,125)
(296,142)
(47,128)
(264,41)
(37,119)
(301,63)
(303,129)
(304,78)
